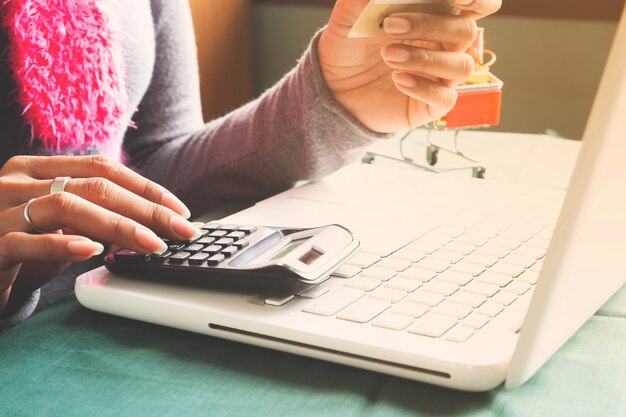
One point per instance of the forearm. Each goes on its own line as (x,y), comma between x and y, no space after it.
(294,131)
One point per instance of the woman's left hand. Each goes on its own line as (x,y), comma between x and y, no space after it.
(407,78)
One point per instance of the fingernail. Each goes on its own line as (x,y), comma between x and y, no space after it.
(184,228)
(85,248)
(171,201)
(404,79)
(149,241)
(464,2)
(396,25)
(395,53)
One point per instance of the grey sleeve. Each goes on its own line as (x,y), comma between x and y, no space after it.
(294,131)
(18,311)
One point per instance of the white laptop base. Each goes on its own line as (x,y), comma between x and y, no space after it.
(415,313)
(464,335)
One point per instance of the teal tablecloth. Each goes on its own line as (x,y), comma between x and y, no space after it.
(69,361)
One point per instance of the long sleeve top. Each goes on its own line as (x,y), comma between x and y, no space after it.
(294,131)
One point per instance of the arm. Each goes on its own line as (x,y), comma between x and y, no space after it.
(296,130)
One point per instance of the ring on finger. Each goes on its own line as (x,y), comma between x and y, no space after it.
(28,220)
(58,184)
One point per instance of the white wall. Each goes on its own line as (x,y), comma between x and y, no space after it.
(550,68)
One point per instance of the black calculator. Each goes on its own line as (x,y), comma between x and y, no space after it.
(237,252)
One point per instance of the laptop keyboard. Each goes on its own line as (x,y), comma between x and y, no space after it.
(450,283)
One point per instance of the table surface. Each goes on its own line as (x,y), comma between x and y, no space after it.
(70,361)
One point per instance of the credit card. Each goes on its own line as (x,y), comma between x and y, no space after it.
(369,23)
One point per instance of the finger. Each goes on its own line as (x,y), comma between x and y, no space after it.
(107,194)
(455,66)
(42,167)
(63,210)
(459,31)
(438,98)
(478,8)
(18,247)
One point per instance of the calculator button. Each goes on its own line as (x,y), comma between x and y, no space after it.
(215,259)
(211,226)
(194,248)
(126,255)
(179,257)
(236,235)
(241,243)
(225,241)
(218,233)
(174,246)
(161,258)
(212,250)
(198,258)
(229,227)
(229,251)
(206,241)
(247,229)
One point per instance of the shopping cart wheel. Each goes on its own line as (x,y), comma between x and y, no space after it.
(368,158)
(479,172)
(431,154)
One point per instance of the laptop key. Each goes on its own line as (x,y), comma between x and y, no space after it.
(363,283)
(381,274)
(459,334)
(432,325)
(334,301)
(504,298)
(466,298)
(363,260)
(346,271)
(424,297)
(420,274)
(364,310)
(448,308)
(388,294)
(396,264)
(494,278)
(490,309)
(476,321)
(403,284)
(407,308)
(392,321)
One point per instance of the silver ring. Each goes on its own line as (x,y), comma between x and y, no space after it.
(27,217)
(58,184)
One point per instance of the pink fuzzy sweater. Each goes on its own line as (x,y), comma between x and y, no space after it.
(293,131)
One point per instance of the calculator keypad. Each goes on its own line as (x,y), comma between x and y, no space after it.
(217,243)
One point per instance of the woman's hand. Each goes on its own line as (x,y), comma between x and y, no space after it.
(407,78)
(103,202)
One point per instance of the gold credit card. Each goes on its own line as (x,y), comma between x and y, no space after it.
(369,23)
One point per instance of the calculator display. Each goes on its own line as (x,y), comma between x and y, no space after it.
(290,247)
(310,257)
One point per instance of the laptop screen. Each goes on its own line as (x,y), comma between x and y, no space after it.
(584,265)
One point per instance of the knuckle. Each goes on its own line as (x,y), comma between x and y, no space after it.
(17,163)
(155,214)
(100,189)
(7,243)
(469,28)
(62,202)
(423,25)
(466,66)
(115,225)
(102,165)
(449,97)
(422,57)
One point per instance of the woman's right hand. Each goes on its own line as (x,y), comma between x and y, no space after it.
(103,202)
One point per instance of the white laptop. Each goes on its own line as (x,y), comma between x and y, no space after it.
(456,283)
